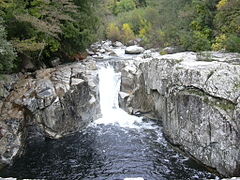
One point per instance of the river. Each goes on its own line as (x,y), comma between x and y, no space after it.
(115,147)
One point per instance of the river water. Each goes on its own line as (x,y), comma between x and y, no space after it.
(115,147)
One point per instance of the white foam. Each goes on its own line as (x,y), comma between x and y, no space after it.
(109,88)
(137,178)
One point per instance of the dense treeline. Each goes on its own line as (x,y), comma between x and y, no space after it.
(189,24)
(33,32)
(37,31)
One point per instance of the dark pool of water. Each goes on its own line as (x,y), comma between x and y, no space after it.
(107,152)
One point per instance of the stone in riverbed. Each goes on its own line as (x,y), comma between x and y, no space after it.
(117,44)
(134,50)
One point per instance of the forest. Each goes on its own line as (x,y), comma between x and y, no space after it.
(39,31)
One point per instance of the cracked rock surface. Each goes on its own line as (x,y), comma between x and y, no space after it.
(48,103)
(197,96)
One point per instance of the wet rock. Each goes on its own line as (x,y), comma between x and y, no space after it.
(147,54)
(90,52)
(134,50)
(102,51)
(112,53)
(51,103)
(117,44)
(198,102)
(55,62)
(107,43)
(97,56)
(94,47)
(196,95)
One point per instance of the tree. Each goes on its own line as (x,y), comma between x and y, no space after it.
(41,29)
(7,53)
(227,22)
(124,6)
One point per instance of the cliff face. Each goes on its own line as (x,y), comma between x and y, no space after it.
(49,103)
(197,97)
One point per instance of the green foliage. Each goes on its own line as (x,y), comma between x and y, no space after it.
(113,32)
(145,29)
(227,21)
(233,43)
(220,43)
(132,18)
(84,30)
(127,33)
(40,29)
(7,53)
(222,3)
(194,25)
(124,6)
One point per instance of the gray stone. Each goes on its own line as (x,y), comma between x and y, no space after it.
(97,56)
(112,53)
(102,51)
(90,52)
(197,96)
(118,44)
(134,50)
(55,62)
(197,100)
(170,50)
(53,103)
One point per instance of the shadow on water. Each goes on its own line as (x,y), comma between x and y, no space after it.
(106,152)
(115,146)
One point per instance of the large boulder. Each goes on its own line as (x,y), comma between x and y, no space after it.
(134,50)
(48,103)
(198,98)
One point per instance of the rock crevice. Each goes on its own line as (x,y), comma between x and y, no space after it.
(196,97)
(198,102)
(49,103)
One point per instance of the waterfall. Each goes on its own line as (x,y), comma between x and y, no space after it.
(109,87)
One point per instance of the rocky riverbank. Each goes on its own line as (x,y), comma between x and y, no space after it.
(197,97)
(48,103)
(195,94)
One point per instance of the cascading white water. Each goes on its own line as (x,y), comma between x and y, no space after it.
(109,87)
(135,150)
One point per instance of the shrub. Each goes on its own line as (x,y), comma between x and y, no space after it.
(7,54)
(233,43)
(219,43)
(146,28)
(133,18)
(127,33)
(222,3)
(201,41)
(113,32)
(124,6)
(195,41)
